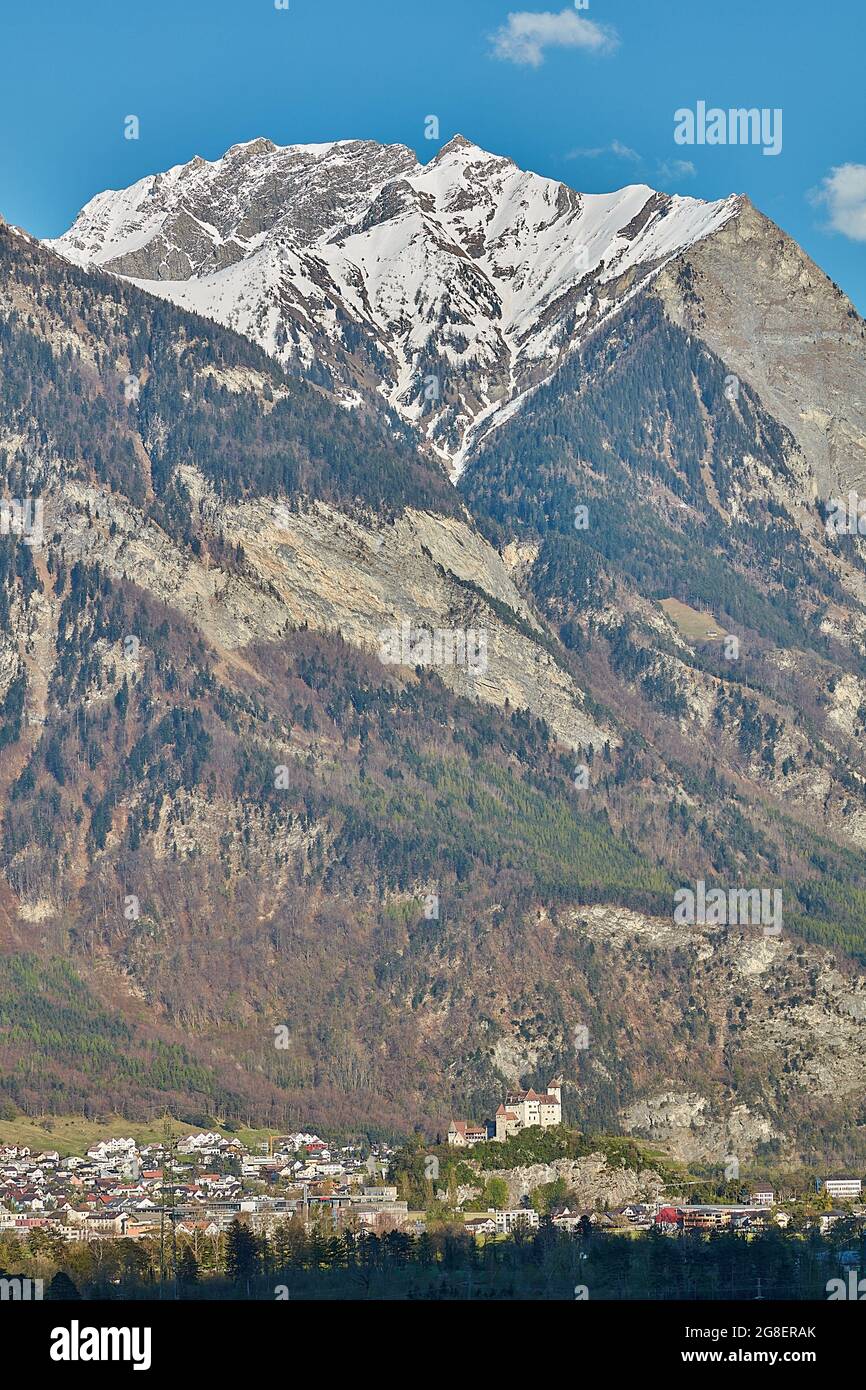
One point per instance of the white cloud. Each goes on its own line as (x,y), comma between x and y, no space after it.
(526,36)
(676,169)
(843,192)
(616,148)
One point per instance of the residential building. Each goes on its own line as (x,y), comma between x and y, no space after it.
(843,1189)
(524,1217)
(462,1134)
(827,1220)
(567,1219)
(481,1226)
(716,1215)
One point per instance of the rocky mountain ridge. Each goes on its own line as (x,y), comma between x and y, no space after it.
(451,288)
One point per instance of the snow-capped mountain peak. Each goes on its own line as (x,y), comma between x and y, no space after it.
(449,288)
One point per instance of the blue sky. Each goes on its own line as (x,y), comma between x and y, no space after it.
(586,95)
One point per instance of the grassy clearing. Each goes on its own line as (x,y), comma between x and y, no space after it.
(73,1134)
(692,624)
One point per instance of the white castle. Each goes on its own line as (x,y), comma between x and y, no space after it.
(521,1110)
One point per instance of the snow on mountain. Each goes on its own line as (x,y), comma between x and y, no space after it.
(450,289)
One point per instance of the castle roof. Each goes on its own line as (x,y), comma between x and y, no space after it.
(516,1097)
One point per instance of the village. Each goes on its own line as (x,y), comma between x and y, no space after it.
(202,1182)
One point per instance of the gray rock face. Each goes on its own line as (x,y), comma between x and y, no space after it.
(681,1124)
(789,1012)
(254,189)
(596,1184)
(784,327)
(336,573)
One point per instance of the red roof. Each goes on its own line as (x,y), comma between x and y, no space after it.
(669,1215)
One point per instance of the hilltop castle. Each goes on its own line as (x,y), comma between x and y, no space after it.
(520,1110)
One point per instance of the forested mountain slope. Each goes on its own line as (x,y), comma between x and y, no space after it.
(225,814)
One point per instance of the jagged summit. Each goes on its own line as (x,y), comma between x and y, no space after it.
(459,144)
(449,288)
